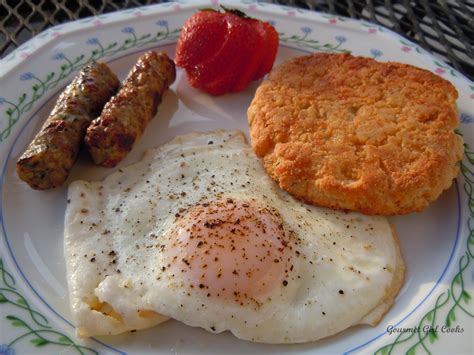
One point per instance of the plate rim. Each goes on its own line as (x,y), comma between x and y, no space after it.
(114,19)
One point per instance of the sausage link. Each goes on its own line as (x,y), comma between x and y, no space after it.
(47,161)
(111,136)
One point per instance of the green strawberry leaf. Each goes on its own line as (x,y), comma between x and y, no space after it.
(236,12)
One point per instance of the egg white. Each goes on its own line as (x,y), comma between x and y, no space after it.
(348,268)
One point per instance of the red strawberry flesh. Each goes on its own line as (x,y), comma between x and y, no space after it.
(224,52)
(201,36)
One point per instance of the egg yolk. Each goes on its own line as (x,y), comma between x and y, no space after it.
(232,249)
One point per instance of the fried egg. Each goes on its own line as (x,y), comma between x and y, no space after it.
(197,231)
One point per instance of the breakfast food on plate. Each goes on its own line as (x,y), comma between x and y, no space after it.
(111,136)
(185,234)
(223,52)
(352,133)
(47,161)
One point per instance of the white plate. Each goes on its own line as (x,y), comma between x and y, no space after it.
(438,244)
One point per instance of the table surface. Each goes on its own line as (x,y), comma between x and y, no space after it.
(443,27)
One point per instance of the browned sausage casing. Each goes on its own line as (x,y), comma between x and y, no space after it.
(47,161)
(111,136)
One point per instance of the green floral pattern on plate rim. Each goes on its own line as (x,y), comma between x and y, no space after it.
(35,325)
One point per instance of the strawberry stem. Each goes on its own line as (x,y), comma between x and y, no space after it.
(208,9)
(236,12)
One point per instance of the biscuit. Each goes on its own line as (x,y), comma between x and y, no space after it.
(352,133)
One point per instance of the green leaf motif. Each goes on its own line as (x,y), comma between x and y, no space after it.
(451,318)
(17,323)
(304,42)
(432,336)
(39,342)
(383,351)
(64,340)
(456,296)
(36,328)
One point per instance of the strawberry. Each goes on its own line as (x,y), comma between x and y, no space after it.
(249,67)
(200,36)
(233,66)
(223,52)
(270,51)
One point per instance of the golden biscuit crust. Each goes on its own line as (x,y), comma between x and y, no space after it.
(352,133)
